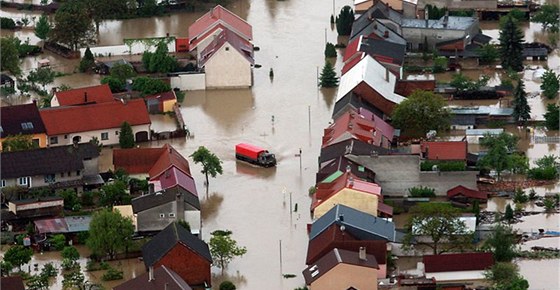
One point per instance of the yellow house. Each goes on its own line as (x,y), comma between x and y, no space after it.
(162,102)
(342,269)
(22,120)
(347,190)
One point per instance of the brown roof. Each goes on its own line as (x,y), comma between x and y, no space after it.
(95,94)
(74,119)
(21,119)
(169,157)
(448,150)
(458,262)
(164,278)
(467,192)
(136,160)
(332,259)
(406,87)
(11,283)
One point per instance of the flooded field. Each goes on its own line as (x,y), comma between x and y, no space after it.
(285,114)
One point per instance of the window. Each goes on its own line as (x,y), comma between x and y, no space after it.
(78,173)
(3,183)
(65,136)
(27,126)
(23,181)
(161,215)
(117,133)
(50,178)
(69,174)
(54,140)
(172,215)
(62,174)
(104,136)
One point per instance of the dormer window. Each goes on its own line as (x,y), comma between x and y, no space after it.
(27,126)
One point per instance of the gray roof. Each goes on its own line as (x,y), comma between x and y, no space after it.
(78,223)
(164,278)
(166,240)
(383,11)
(351,146)
(453,23)
(482,110)
(353,101)
(361,225)
(365,26)
(45,161)
(476,132)
(167,195)
(463,120)
(375,47)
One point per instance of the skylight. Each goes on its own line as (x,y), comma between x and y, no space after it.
(27,126)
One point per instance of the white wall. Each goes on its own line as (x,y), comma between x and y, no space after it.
(227,68)
(122,49)
(189,82)
(86,136)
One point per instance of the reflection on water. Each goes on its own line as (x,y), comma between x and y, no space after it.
(210,205)
(254,170)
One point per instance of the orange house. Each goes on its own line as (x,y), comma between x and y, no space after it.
(22,120)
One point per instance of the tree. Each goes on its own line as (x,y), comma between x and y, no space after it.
(115,84)
(440,224)
(71,200)
(88,61)
(505,276)
(328,76)
(42,75)
(511,45)
(223,248)
(73,25)
(43,27)
(10,55)
(160,60)
(464,83)
(501,243)
(552,117)
(69,257)
(548,16)
(508,215)
(521,109)
(114,194)
(330,50)
(18,142)
(149,86)
(126,136)
(227,285)
(500,154)
(18,255)
(211,164)
(487,53)
(550,84)
(5,268)
(508,139)
(546,168)
(497,158)
(122,71)
(184,224)
(345,20)
(109,233)
(58,242)
(149,8)
(421,112)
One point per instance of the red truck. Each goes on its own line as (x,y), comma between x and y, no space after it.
(255,155)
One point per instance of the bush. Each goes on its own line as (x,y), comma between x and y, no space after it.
(112,274)
(87,198)
(422,192)
(7,23)
(49,270)
(58,242)
(115,84)
(180,96)
(330,51)
(427,165)
(149,86)
(227,285)
(546,173)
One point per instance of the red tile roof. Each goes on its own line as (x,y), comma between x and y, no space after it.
(136,160)
(241,45)
(173,176)
(448,150)
(96,94)
(170,157)
(467,192)
(220,15)
(74,119)
(406,87)
(348,180)
(350,125)
(217,29)
(458,262)
(352,49)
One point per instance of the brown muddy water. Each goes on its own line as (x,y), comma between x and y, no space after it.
(258,204)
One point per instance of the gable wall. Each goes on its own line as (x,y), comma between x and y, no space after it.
(194,269)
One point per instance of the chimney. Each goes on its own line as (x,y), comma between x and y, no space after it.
(386,34)
(387,74)
(348,168)
(350,181)
(445,19)
(341,217)
(362,254)
(151,274)
(85,97)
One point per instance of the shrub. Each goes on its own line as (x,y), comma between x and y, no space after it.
(427,165)
(115,84)
(546,173)
(422,192)
(49,270)
(7,23)
(330,51)
(227,285)
(149,86)
(112,274)
(58,242)
(87,198)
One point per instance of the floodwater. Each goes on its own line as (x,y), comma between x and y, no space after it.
(283,114)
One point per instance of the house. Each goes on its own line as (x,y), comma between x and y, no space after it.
(371,27)
(227,61)
(161,103)
(457,267)
(457,29)
(350,147)
(445,150)
(36,207)
(83,96)
(475,135)
(204,28)
(372,82)
(79,124)
(349,190)
(156,279)
(332,169)
(182,252)
(389,54)
(466,195)
(407,7)
(22,120)
(149,162)
(481,114)
(342,269)
(56,167)
(11,283)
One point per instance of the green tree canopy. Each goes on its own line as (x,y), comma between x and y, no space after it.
(109,233)
(521,109)
(115,84)
(328,76)
(330,50)
(18,255)
(505,276)
(42,76)
(126,136)
(464,83)
(10,55)
(150,86)
(122,71)
(550,84)
(511,45)
(440,223)
(421,112)
(548,16)
(211,164)
(345,20)
(43,27)
(18,143)
(73,25)
(88,61)
(501,243)
(160,60)
(114,194)
(487,53)
(224,248)
(552,117)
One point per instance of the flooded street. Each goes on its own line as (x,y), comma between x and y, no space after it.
(283,114)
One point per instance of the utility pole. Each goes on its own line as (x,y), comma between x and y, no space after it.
(309,117)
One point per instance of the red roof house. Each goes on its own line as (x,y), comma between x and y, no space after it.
(103,120)
(445,150)
(462,193)
(12,283)
(219,16)
(407,87)
(454,267)
(156,279)
(389,54)
(82,96)
(150,161)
